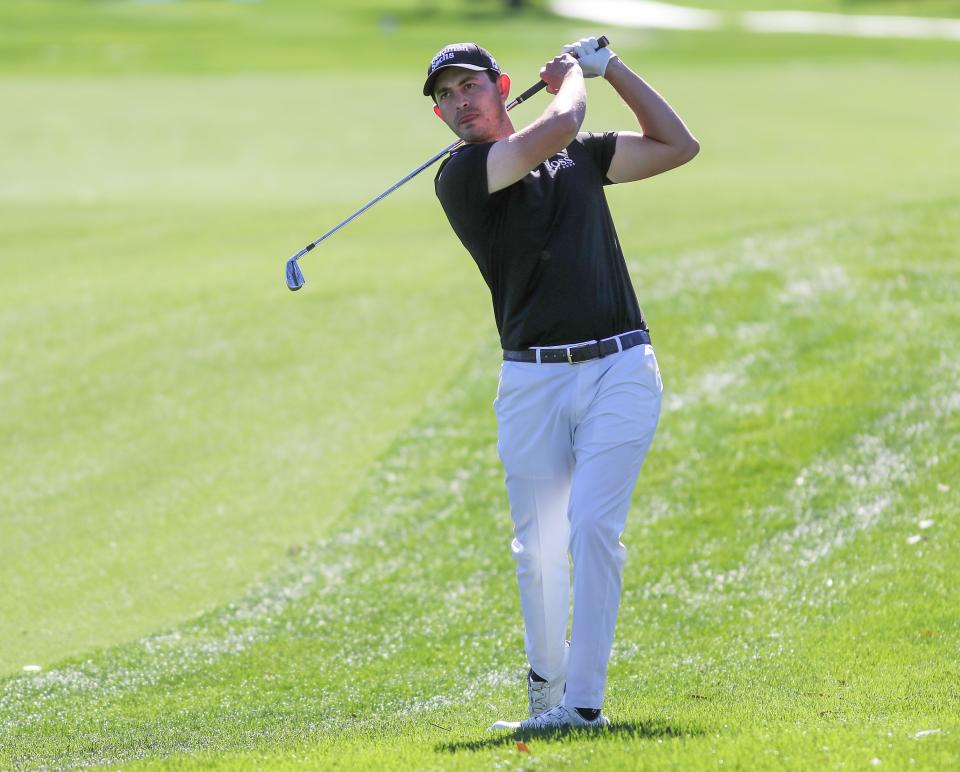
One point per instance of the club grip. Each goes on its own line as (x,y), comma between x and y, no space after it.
(602,42)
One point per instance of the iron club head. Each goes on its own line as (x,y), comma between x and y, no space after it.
(295,278)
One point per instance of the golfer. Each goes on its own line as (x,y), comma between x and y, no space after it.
(580,390)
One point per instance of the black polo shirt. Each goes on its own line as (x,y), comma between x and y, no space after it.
(545,245)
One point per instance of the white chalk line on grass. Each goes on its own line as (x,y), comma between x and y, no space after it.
(650,14)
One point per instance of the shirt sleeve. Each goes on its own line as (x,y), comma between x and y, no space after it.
(461,182)
(601,147)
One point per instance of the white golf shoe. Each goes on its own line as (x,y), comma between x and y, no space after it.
(543,695)
(558,717)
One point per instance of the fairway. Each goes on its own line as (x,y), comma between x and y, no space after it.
(245,527)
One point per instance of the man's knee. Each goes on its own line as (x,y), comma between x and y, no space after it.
(596,537)
(531,559)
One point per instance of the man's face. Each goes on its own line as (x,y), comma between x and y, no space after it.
(470,103)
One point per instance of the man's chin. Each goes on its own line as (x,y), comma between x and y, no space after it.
(471,136)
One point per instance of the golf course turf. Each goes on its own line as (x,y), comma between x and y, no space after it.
(246,528)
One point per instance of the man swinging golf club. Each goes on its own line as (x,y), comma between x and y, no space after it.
(580,390)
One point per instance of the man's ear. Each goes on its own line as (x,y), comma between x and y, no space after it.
(436,109)
(504,83)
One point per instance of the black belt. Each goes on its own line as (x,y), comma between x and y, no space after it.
(583,352)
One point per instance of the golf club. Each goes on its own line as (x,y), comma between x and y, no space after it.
(295,278)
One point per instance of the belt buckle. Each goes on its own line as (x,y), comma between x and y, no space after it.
(571,349)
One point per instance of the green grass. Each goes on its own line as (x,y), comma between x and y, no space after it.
(240,527)
(790,620)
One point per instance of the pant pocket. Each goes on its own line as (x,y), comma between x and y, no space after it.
(533,434)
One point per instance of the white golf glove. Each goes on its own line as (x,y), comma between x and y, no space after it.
(592,59)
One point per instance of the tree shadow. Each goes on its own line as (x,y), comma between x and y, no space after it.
(642,730)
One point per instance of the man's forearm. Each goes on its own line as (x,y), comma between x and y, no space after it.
(512,158)
(656,118)
(570,103)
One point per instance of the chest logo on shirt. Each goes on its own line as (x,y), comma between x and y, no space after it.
(560,161)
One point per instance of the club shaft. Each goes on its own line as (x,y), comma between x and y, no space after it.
(534,89)
(449,149)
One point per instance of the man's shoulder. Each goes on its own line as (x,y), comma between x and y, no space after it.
(472,147)
(465,156)
(464,169)
(599,147)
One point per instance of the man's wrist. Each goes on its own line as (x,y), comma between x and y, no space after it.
(613,65)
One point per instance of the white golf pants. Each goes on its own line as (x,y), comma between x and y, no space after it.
(572,439)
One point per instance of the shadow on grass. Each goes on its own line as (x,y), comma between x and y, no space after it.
(643,730)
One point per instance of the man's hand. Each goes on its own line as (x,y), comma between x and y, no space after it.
(554,71)
(593,60)
(511,158)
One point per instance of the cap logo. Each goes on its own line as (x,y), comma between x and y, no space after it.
(440,58)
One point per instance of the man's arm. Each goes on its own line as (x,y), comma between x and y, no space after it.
(510,159)
(665,143)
